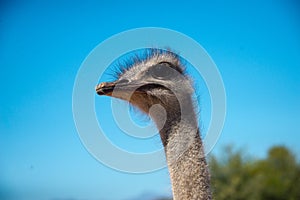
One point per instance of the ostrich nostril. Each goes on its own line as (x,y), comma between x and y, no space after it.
(123,81)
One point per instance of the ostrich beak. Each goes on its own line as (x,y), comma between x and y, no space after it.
(105,88)
(122,89)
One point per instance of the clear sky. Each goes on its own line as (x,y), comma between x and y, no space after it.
(255,44)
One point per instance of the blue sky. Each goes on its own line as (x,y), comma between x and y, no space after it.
(255,44)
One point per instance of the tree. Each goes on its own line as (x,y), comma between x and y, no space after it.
(236,177)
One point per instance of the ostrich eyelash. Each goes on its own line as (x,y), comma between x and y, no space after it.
(122,65)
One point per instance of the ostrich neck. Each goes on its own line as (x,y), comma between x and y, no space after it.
(187,166)
(185,155)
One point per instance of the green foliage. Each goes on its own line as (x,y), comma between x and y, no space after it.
(236,177)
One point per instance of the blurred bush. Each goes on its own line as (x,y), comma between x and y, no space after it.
(237,177)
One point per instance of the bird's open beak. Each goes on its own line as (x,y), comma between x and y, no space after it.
(105,88)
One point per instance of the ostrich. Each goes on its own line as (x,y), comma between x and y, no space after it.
(158,85)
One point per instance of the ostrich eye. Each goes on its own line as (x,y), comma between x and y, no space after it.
(162,70)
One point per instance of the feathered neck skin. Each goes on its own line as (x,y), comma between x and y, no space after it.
(159,88)
(184,149)
(186,159)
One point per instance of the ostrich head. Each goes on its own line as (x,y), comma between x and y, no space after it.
(157,79)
